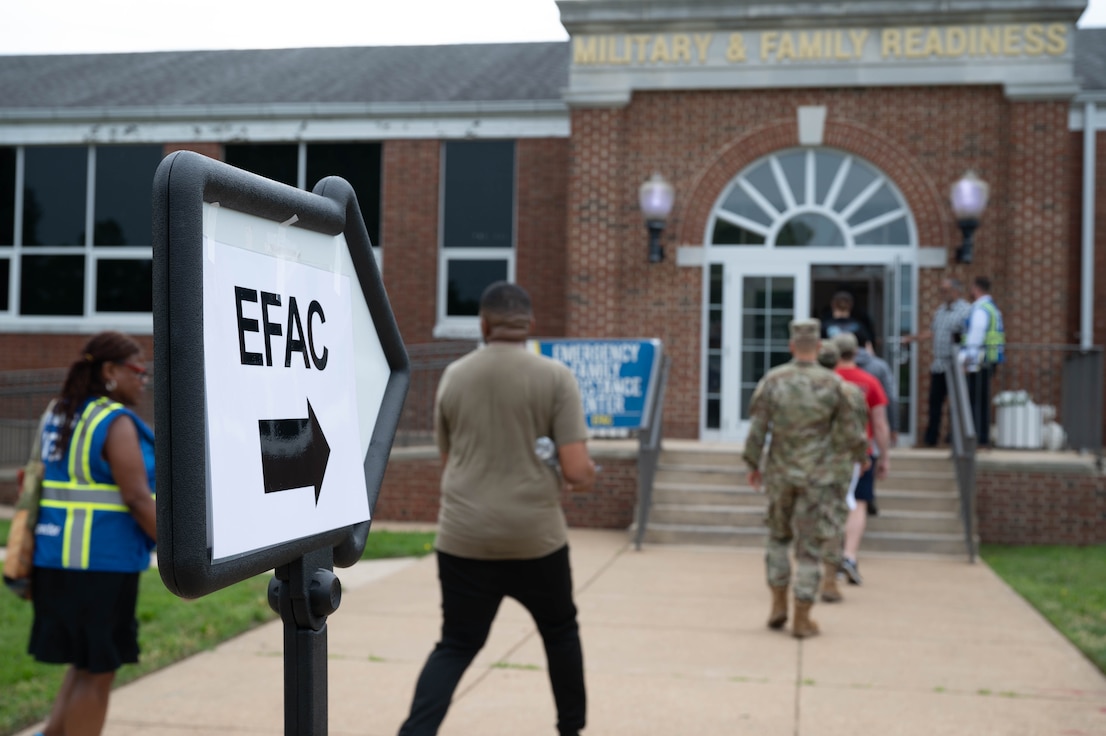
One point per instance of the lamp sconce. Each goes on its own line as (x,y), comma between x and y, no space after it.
(656,197)
(968,198)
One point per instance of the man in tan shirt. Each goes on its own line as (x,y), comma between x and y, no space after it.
(501,529)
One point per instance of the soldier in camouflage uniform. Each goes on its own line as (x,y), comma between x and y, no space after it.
(811,420)
(847,473)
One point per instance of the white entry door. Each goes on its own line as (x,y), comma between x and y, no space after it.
(747,336)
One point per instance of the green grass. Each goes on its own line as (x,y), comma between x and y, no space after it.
(5,525)
(170,629)
(1066,584)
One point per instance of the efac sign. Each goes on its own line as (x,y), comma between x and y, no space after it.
(281,373)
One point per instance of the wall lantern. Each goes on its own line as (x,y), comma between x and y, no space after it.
(656,196)
(969,199)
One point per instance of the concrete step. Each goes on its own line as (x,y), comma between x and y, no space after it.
(752,515)
(699,474)
(741,536)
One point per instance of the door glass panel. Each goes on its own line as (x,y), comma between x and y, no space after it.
(760,351)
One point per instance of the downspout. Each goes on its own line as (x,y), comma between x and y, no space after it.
(1086,317)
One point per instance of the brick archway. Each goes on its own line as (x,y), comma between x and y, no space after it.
(931,215)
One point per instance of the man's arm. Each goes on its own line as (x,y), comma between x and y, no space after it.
(882,435)
(758,431)
(577,467)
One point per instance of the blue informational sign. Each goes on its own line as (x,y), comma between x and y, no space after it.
(618,378)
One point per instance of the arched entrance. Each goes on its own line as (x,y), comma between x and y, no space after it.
(786,233)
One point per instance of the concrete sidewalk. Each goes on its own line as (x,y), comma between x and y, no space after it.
(675,643)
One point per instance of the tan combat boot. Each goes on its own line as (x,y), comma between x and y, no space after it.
(830,593)
(778,617)
(804,625)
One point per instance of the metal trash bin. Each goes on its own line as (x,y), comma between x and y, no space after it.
(1018,421)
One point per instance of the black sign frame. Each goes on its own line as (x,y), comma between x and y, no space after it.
(183,182)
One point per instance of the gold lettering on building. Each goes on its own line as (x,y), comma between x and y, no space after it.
(1010,41)
(1057,39)
(735,52)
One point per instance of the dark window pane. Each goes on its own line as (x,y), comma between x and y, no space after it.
(896,232)
(715,329)
(276,161)
(880,203)
(54,187)
(783,293)
(756,293)
(5,284)
(740,203)
(357,163)
(859,177)
(826,166)
(124,194)
(794,170)
(479,194)
(467,281)
(754,327)
(726,233)
(810,229)
(52,285)
(7,196)
(763,180)
(124,285)
(716,284)
(714,374)
(714,413)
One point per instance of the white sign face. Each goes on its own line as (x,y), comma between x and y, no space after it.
(285,433)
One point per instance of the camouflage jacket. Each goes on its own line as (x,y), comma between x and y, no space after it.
(817,431)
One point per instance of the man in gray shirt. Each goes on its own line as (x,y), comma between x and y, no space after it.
(948,323)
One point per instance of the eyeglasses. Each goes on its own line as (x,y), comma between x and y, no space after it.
(138,370)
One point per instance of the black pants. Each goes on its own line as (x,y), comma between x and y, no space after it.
(938,392)
(471,593)
(979,395)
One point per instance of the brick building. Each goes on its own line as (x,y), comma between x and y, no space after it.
(810,147)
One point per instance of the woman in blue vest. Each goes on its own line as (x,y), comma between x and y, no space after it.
(96,527)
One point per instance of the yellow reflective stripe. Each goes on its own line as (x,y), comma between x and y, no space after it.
(79,445)
(69,505)
(76,485)
(66,537)
(86,544)
(86,454)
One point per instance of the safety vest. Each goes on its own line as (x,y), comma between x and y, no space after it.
(994,339)
(83,523)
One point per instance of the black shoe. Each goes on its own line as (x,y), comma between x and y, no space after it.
(851,572)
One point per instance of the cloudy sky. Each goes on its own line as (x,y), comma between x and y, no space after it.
(77,26)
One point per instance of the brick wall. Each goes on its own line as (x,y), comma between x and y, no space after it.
(409,231)
(1053,505)
(28,351)
(922,138)
(410,493)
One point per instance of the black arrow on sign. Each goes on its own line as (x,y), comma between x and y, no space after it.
(294,453)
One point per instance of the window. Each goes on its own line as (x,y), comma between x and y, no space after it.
(357,163)
(811,198)
(82,244)
(81,247)
(477,230)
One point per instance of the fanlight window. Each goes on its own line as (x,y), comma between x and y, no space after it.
(812,198)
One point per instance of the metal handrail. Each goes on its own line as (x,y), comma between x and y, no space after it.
(649,450)
(964,442)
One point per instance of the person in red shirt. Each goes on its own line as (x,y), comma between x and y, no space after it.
(862,495)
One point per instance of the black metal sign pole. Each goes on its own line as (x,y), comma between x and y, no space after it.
(304,592)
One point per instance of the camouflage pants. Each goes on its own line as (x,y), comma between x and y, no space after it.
(834,550)
(809,516)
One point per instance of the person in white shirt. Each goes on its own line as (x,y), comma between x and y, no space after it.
(983,350)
